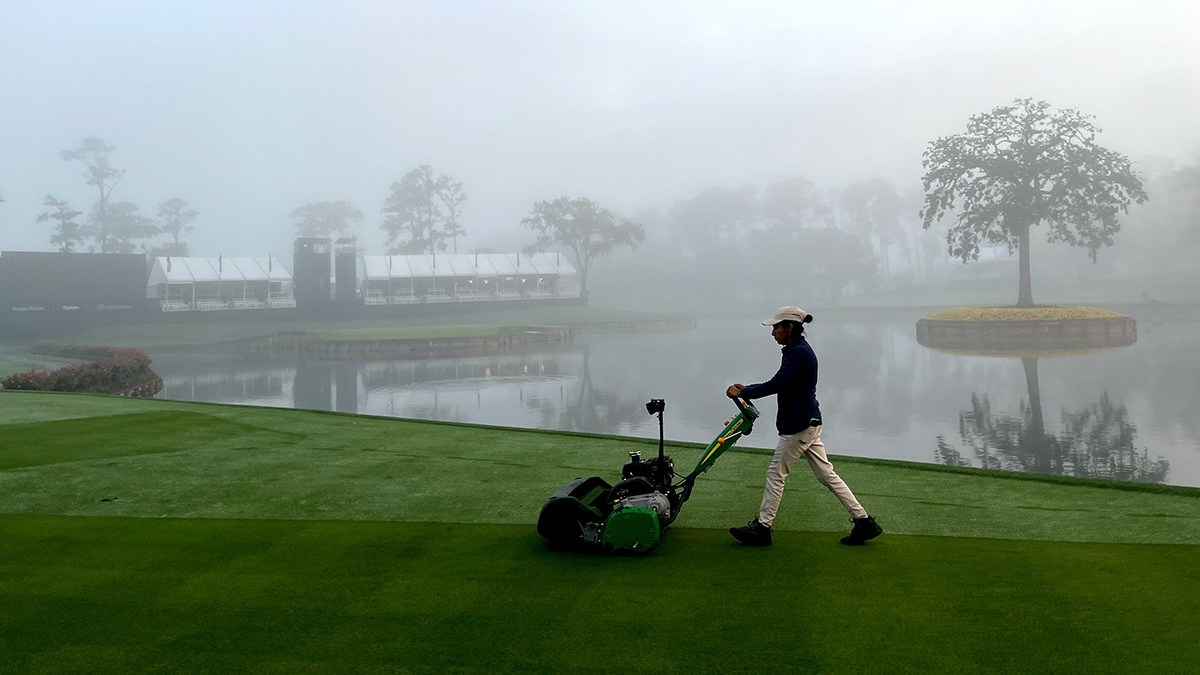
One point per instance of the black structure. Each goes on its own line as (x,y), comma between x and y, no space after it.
(345,270)
(310,278)
(58,292)
(83,281)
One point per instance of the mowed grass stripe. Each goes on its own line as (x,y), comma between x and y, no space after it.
(128,435)
(194,595)
(219,461)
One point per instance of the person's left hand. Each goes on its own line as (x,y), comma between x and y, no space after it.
(734,390)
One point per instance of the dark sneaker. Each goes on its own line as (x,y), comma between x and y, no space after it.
(752,534)
(864,529)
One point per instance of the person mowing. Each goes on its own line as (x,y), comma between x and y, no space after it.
(799,426)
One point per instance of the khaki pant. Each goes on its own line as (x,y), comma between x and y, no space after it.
(807,443)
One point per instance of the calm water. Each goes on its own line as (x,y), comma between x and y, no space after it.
(1129,413)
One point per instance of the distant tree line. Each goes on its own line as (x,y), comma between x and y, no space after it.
(790,240)
(422,213)
(113,226)
(1015,168)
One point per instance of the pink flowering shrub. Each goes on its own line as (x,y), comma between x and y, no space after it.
(111,369)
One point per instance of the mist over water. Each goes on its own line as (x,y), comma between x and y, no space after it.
(1123,414)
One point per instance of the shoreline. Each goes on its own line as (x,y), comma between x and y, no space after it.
(899,464)
(310,344)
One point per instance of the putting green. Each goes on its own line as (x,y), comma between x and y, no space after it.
(176,537)
(9,367)
(169,335)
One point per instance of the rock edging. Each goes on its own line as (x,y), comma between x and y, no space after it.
(144,390)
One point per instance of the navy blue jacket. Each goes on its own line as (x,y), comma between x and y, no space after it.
(796,385)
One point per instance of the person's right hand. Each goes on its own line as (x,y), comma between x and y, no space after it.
(734,390)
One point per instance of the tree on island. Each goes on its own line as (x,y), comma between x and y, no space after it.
(584,227)
(325,219)
(422,212)
(175,218)
(67,233)
(1018,166)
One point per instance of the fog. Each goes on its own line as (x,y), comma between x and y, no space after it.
(248,112)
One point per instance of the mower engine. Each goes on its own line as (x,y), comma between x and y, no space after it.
(591,514)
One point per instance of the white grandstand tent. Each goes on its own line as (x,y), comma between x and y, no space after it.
(404,279)
(186,283)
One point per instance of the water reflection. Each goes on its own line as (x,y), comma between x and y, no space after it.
(1122,414)
(481,389)
(1097,441)
(590,409)
(210,379)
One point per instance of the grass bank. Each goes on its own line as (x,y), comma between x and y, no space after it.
(1022,314)
(168,335)
(423,332)
(10,367)
(156,535)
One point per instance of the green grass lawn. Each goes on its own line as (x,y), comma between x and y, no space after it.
(141,536)
(9,367)
(183,334)
(423,332)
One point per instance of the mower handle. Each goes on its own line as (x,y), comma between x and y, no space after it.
(744,405)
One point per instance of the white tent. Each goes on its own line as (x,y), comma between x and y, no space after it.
(192,283)
(402,279)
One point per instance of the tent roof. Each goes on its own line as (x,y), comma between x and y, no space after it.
(462,264)
(379,267)
(201,269)
(419,265)
(276,270)
(375,267)
(483,266)
(554,263)
(188,270)
(503,263)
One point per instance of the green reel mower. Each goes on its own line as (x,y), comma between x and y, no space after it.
(590,514)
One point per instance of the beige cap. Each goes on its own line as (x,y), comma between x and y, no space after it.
(787,314)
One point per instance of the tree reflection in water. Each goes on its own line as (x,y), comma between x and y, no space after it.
(595,411)
(1095,442)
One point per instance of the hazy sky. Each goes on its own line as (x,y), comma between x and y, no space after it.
(250,109)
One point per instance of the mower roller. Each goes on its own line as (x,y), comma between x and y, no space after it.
(591,515)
